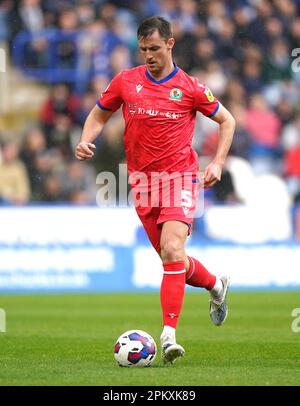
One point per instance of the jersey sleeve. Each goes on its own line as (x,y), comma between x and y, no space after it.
(111,98)
(204,100)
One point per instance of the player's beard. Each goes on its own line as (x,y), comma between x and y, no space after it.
(154,68)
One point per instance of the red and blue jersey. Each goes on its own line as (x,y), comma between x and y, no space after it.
(159,118)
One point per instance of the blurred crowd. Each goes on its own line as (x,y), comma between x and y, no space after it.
(245,50)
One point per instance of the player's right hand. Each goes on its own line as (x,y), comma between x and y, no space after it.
(84,150)
(212,174)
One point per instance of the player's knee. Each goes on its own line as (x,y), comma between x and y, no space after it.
(172,250)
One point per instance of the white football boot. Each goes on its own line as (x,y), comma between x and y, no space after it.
(170,351)
(218,308)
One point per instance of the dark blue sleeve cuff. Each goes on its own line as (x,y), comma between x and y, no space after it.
(215,110)
(102,107)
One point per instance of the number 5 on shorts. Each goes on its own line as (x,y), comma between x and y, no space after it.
(186,200)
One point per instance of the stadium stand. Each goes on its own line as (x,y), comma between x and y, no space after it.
(62,54)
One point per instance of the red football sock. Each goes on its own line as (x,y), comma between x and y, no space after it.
(172,292)
(199,276)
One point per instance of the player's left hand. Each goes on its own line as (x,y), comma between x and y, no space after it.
(212,174)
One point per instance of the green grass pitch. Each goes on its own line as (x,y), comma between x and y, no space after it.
(69,340)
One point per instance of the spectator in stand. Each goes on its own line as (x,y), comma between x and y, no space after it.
(60,137)
(235,92)
(52,190)
(256,30)
(252,76)
(5,8)
(85,11)
(242,19)
(241,144)
(107,40)
(294,33)
(45,164)
(66,49)
(286,10)
(204,53)
(87,102)
(227,44)
(262,123)
(32,19)
(34,144)
(278,62)
(79,183)
(31,14)
(215,78)
(285,111)
(120,59)
(14,181)
(216,12)
(187,18)
(264,128)
(273,30)
(168,9)
(60,101)
(185,41)
(125,28)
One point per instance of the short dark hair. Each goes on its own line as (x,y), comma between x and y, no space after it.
(151,24)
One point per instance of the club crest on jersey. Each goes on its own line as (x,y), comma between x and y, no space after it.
(209,95)
(175,94)
(132,108)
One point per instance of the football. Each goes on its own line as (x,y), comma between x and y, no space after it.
(135,348)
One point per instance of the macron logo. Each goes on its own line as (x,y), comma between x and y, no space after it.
(138,88)
(185,210)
